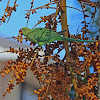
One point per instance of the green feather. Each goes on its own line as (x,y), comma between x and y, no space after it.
(43,36)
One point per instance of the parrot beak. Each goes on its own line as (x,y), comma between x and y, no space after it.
(21,32)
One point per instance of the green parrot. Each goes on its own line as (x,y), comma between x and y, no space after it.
(43,36)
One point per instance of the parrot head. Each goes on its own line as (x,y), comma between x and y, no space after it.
(25,31)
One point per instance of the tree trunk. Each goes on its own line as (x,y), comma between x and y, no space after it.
(65,27)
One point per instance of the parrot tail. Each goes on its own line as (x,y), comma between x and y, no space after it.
(77,40)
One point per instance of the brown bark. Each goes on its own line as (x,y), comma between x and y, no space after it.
(65,27)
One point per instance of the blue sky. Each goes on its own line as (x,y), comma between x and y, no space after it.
(18,19)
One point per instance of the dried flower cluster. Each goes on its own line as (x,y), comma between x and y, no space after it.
(58,79)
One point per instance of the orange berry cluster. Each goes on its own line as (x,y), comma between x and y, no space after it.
(11,86)
(96,61)
(19,73)
(19,38)
(8,10)
(55,80)
(50,19)
(87,90)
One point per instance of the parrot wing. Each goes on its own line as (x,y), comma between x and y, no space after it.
(49,35)
(34,35)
